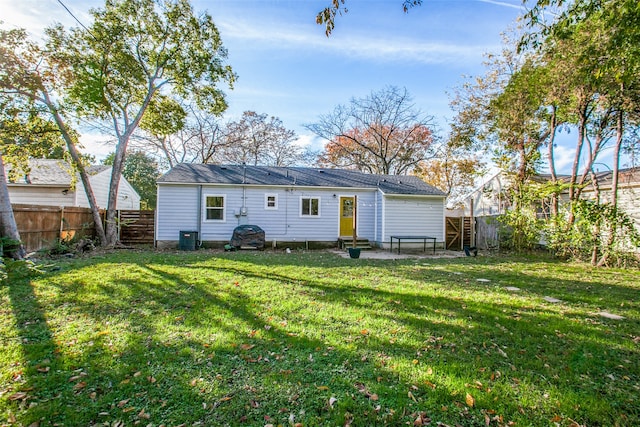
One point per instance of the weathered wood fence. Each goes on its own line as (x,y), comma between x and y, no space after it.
(137,227)
(42,226)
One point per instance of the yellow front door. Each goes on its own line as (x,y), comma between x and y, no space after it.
(346,216)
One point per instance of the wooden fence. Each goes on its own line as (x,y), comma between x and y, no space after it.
(137,227)
(41,226)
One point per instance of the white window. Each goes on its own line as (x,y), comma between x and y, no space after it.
(214,208)
(310,206)
(271,201)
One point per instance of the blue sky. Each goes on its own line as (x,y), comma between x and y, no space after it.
(288,68)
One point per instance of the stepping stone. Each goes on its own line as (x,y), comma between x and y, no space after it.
(483,280)
(552,300)
(610,315)
(512,288)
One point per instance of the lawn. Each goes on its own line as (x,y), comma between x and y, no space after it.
(248,338)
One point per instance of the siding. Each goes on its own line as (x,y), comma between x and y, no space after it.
(177,210)
(413,216)
(128,198)
(44,196)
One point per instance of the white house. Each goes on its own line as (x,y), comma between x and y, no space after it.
(49,182)
(295,205)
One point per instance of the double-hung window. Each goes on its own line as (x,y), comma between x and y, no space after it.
(214,208)
(310,206)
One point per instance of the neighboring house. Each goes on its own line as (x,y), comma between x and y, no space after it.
(294,205)
(49,182)
(628,191)
(487,199)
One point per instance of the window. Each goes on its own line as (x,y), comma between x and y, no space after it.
(309,206)
(214,208)
(271,201)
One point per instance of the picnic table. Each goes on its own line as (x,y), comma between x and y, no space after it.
(417,238)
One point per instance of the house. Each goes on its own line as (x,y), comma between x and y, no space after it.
(49,182)
(489,200)
(295,206)
(628,191)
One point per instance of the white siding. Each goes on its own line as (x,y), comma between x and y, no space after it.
(176,211)
(45,196)
(417,216)
(128,198)
(178,205)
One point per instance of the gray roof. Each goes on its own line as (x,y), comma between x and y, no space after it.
(54,172)
(191,173)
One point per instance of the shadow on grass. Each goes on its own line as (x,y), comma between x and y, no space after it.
(209,340)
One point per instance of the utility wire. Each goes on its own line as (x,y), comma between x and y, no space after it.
(77,20)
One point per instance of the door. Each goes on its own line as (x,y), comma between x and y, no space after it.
(346,216)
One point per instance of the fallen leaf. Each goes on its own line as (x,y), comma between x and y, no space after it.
(123,402)
(43,369)
(322,388)
(332,400)
(80,385)
(226,399)
(470,400)
(247,346)
(364,332)
(142,414)
(92,395)
(137,374)
(129,409)
(18,396)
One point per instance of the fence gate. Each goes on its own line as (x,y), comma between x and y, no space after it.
(458,232)
(453,233)
(137,227)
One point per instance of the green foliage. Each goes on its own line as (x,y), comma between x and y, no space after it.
(141,171)
(594,222)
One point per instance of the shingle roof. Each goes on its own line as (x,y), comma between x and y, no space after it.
(190,173)
(51,172)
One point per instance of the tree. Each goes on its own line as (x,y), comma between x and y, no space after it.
(141,171)
(197,139)
(257,139)
(135,52)
(29,76)
(382,133)
(453,171)
(327,16)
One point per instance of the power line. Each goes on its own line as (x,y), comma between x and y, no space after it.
(74,17)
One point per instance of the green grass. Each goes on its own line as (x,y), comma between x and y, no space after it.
(263,338)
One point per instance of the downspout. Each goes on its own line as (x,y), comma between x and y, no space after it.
(199,226)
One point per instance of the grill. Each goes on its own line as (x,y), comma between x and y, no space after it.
(247,236)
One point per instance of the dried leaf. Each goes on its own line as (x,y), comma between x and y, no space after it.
(322,388)
(80,385)
(332,400)
(18,396)
(142,414)
(247,346)
(123,402)
(137,374)
(470,401)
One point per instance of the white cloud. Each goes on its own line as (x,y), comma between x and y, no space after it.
(517,5)
(98,145)
(364,46)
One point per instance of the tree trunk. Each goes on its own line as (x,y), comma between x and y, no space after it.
(614,186)
(8,226)
(84,177)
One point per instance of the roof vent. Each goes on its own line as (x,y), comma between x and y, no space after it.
(321,171)
(223,168)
